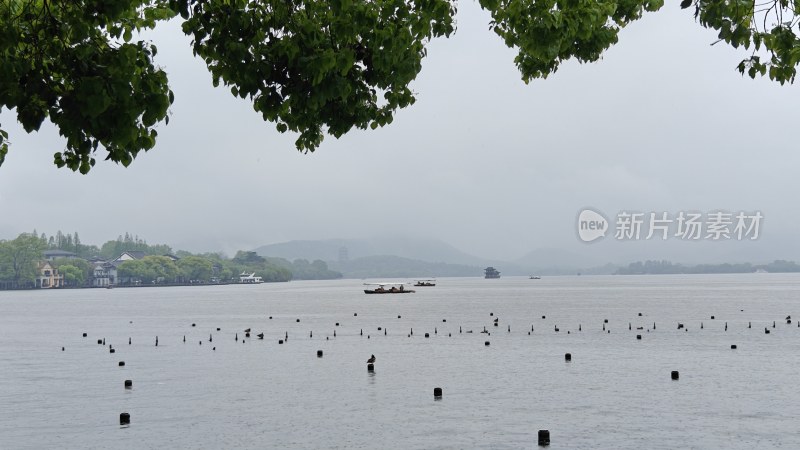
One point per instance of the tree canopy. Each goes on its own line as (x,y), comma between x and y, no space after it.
(18,259)
(309,66)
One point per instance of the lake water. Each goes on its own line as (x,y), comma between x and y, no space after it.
(615,393)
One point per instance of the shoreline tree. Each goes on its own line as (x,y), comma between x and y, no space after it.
(18,260)
(312,67)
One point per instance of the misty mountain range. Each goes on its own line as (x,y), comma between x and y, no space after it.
(419,257)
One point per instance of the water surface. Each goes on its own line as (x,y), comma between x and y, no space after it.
(615,393)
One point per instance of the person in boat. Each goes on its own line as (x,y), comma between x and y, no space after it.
(401,288)
(394,289)
(371,360)
(379,289)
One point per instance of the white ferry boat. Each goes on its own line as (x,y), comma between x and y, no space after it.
(249,278)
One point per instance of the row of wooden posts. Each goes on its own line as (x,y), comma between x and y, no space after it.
(543,435)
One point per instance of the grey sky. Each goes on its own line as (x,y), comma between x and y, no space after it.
(496,168)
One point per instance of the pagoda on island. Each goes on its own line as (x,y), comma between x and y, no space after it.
(491,272)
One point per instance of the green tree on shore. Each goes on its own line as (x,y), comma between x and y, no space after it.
(75,270)
(149,270)
(195,268)
(19,258)
(132,243)
(73,276)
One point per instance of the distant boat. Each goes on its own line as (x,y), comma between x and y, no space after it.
(249,278)
(491,272)
(425,283)
(534,277)
(387,288)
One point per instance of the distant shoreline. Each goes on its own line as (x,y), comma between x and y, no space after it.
(127,286)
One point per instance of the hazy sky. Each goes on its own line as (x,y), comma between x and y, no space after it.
(496,168)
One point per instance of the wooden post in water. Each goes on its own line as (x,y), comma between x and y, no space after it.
(124,419)
(437,392)
(544,438)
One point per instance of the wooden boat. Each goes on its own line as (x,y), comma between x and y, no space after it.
(387,288)
(425,283)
